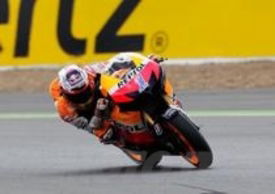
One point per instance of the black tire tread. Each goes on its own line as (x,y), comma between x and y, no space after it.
(189,130)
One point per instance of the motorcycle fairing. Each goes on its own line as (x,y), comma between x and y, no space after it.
(125,86)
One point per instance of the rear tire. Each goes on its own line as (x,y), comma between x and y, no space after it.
(138,158)
(192,145)
(147,161)
(152,160)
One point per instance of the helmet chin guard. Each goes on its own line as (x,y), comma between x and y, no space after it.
(73,79)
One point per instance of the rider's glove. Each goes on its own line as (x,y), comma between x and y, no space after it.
(79,122)
(101,109)
(100,114)
(157,58)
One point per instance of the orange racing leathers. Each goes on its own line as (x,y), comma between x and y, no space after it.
(68,110)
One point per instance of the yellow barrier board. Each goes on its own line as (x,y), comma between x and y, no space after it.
(83,31)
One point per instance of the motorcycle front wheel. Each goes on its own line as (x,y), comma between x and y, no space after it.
(188,140)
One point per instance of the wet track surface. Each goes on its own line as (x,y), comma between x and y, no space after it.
(48,156)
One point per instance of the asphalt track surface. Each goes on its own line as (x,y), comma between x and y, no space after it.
(44,155)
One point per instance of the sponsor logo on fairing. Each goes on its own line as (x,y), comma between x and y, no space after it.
(130,75)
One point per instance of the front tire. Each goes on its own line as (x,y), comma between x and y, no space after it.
(191,144)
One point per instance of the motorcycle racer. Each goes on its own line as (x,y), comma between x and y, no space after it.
(128,102)
(77,97)
(80,101)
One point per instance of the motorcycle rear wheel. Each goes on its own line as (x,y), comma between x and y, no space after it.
(147,160)
(192,145)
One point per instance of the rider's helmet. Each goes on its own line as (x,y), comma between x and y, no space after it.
(76,85)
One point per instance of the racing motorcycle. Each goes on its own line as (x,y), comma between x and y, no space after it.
(148,123)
